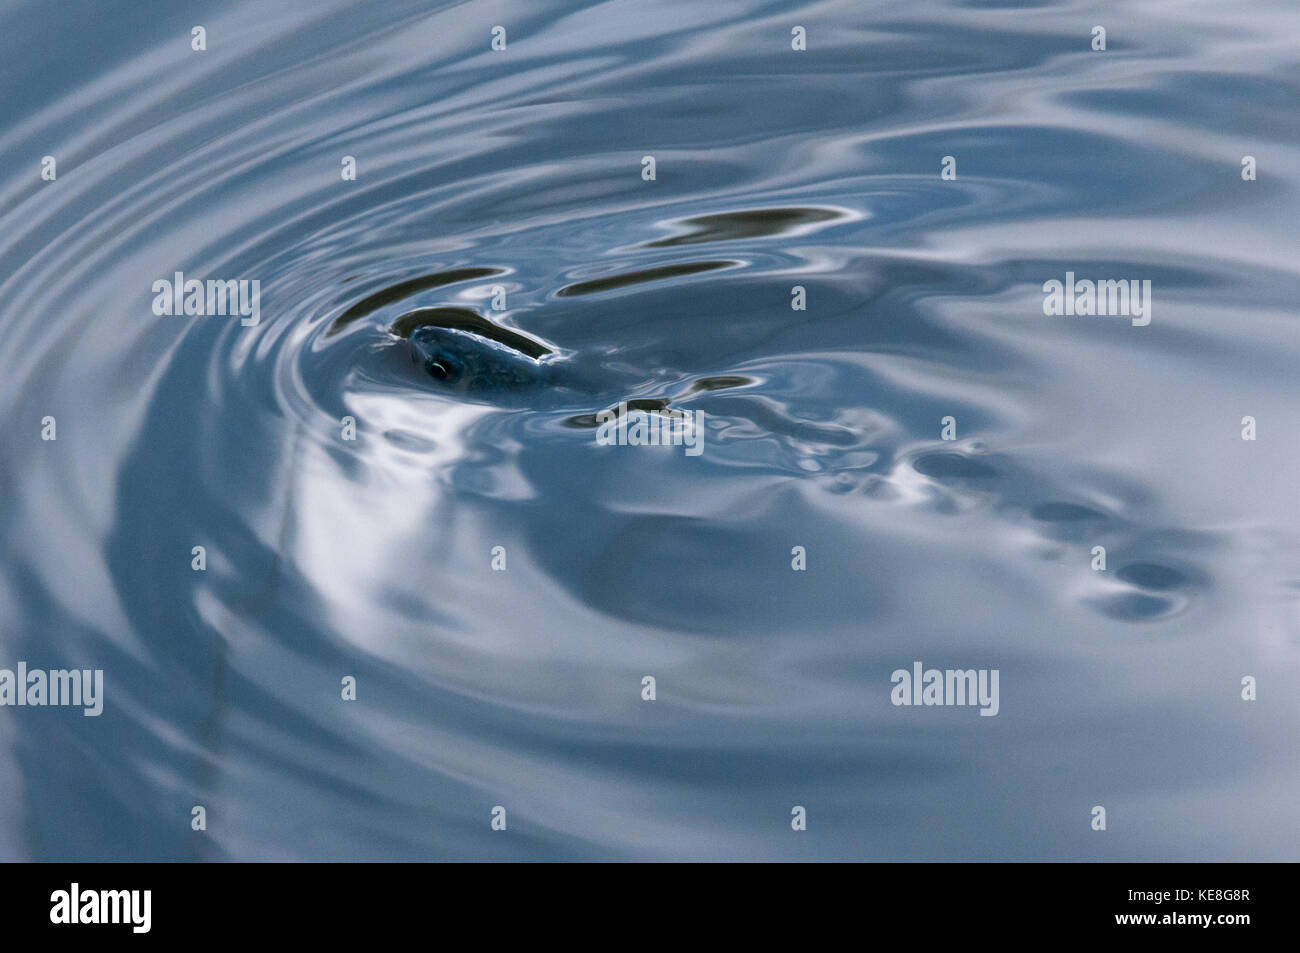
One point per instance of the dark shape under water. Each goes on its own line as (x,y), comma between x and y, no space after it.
(405,289)
(722,382)
(1138,607)
(953,466)
(1151,576)
(1065,513)
(650,405)
(747,223)
(626,278)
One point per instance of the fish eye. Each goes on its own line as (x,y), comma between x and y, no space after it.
(443,367)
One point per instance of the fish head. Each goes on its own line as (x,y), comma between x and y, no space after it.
(445,358)
(463,360)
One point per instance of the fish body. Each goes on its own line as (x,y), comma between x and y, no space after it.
(467,362)
(466,353)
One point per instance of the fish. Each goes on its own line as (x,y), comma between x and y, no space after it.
(468,354)
(475,358)
(464,361)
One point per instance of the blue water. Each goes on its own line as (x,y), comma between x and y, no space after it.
(520,171)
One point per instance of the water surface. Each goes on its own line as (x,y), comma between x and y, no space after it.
(520,171)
